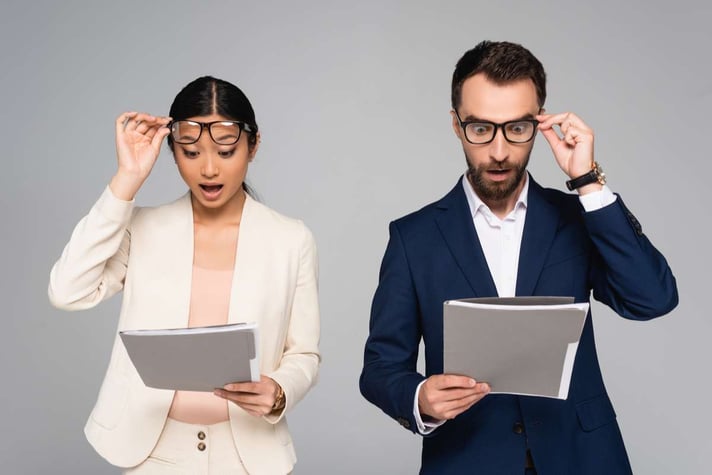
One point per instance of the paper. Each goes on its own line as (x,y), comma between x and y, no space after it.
(519,345)
(194,359)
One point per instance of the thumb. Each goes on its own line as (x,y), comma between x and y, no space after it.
(551,136)
(158,137)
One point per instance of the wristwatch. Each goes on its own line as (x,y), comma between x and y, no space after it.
(596,175)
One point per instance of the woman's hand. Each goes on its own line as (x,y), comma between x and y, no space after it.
(256,398)
(138,144)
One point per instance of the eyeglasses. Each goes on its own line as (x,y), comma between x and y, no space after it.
(223,132)
(479,132)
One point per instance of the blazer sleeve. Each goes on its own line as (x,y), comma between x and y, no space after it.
(92,266)
(628,273)
(389,378)
(297,371)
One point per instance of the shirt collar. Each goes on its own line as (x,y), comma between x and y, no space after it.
(478,206)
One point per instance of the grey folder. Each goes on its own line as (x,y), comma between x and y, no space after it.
(519,345)
(194,359)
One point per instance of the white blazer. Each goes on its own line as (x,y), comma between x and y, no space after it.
(148,252)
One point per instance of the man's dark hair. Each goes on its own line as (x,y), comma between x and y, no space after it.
(501,62)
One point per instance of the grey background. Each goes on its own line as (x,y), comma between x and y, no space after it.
(353,101)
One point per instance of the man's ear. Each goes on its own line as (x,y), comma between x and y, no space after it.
(456,125)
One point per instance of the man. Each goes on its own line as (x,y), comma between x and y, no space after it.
(498,233)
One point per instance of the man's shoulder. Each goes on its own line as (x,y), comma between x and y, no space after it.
(427,214)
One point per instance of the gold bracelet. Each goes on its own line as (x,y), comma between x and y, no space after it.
(279,401)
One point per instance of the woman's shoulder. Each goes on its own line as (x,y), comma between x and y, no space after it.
(278,224)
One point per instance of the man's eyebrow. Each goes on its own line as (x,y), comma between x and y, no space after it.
(472,118)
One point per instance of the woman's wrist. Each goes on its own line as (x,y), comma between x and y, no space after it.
(280,399)
(124,187)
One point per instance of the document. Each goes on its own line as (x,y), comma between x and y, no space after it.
(194,359)
(519,345)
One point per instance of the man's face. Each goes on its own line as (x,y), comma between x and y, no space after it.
(496,169)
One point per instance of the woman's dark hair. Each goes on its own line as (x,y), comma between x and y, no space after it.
(208,95)
(501,62)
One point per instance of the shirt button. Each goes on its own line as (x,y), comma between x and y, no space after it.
(201,446)
(201,435)
(518,428)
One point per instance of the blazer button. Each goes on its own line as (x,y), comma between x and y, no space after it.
(518,428)
(201,446)
(201,435)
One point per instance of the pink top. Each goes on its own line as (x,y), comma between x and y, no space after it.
(209,303)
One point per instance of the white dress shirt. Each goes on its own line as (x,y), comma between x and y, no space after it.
(500,240)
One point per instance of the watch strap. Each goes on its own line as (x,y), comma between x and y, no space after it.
(596,175)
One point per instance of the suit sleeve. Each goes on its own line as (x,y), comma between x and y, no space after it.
(389,378)
(299,366)
(628,273)
(92,266)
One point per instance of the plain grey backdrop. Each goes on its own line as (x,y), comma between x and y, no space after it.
(353,102)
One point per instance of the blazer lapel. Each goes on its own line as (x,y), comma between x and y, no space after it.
(539,231)
(174,263)
(458,230)
(239,307)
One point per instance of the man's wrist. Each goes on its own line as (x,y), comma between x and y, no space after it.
(593,177)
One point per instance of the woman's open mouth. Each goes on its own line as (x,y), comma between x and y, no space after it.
(211,191)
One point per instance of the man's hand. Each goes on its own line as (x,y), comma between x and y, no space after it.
(573,151)
(444,396)
(255,398)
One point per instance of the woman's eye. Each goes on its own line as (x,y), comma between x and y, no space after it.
(226,153)
(190,153)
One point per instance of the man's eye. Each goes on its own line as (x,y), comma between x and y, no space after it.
(480,129)
(519,128)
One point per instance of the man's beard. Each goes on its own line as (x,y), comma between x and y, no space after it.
(493,191)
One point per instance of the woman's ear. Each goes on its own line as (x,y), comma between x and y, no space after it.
(254,146)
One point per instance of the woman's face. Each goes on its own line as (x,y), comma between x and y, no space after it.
(214,173)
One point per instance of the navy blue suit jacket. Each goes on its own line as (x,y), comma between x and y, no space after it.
(434,255)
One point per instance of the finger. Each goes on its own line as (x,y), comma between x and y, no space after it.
(462,406)
(143,127)
(253,388)
(575,135)
(549,120)
(158,137)
(552,137)
(243,398)
(122,119)
(444,381)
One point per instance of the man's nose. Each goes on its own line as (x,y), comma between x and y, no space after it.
(499,147)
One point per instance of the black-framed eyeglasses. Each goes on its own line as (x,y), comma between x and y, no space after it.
(480,132)
(223,132)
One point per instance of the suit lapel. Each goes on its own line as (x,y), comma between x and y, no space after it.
(178,258)
(539,231)
(239,307)
(458,230)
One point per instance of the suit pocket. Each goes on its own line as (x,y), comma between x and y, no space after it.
(595,413)
(112,400)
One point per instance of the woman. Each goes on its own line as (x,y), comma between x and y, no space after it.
(213,256)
